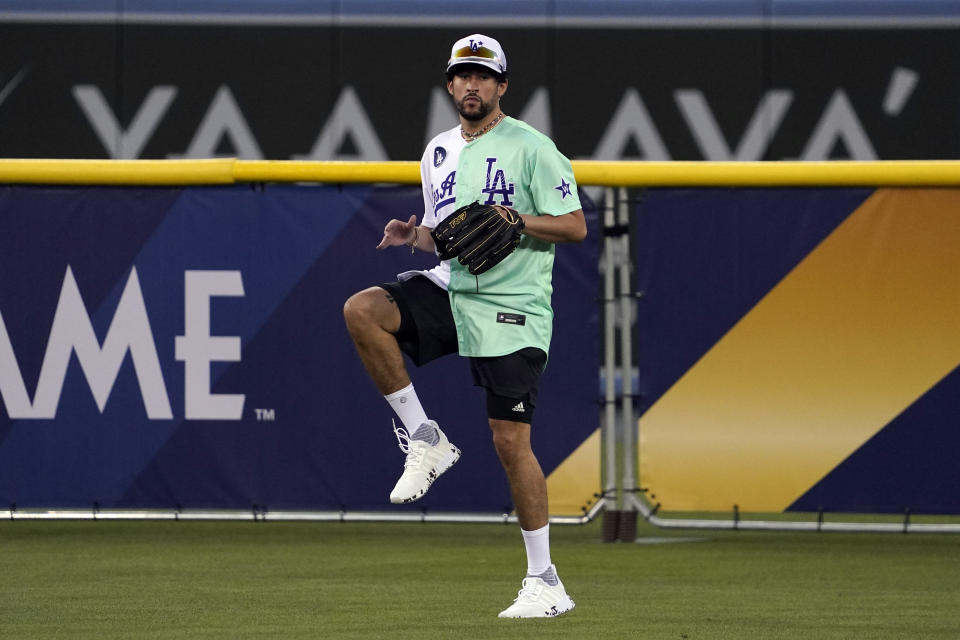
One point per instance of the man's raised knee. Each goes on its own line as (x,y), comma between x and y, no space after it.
(371,307)
(354,309)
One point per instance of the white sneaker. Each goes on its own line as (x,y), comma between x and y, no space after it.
(429,454)
(540,599)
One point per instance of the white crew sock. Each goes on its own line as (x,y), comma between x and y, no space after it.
(406,405)
(538,550)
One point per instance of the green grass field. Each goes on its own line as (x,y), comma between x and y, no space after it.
(332,580)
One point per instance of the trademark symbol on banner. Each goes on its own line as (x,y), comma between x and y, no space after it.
(265,415)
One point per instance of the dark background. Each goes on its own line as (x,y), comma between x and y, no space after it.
(286,79)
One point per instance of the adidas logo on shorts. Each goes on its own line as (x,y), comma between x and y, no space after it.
(519,408)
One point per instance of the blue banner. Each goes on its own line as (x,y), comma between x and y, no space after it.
(185,347)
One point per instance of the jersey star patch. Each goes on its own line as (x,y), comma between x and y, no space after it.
(563,188)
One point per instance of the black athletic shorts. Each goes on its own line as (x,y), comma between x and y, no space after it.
(427,331)
(511,382)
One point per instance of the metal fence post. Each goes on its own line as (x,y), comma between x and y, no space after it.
(613,500)
(627,529)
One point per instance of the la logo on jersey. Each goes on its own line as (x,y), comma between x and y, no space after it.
(444,194)
(497,185)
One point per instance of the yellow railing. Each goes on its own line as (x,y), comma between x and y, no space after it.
(900,173)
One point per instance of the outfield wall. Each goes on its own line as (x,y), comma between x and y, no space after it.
(168,346)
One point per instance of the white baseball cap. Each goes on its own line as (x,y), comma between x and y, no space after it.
(478,49)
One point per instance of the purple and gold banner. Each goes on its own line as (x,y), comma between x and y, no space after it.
(799,349)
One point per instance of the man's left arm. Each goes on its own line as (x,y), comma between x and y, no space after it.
(569,227)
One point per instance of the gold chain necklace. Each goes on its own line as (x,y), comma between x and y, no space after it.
(476,134)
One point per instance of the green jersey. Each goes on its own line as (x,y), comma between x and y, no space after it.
(508,307)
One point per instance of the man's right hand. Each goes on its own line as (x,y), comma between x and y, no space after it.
(398,233)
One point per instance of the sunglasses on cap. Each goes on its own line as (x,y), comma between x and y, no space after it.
(479,52)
